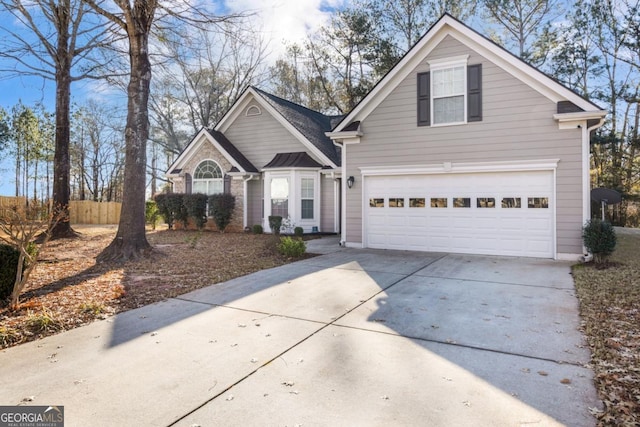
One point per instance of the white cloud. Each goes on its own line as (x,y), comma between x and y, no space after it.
(286,20)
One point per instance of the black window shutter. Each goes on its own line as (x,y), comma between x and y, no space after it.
(187,183)
(227,184)
(424,103)
(474,93)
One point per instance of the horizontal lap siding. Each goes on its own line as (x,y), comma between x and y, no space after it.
(327,205)
(261,137)
(517,124)
(254,204)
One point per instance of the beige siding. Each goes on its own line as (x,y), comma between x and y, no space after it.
(261,137)
(327,205)
(254,204)
(517,124)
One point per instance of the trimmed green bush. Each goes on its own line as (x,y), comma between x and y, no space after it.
(196,207)
(275,223)
(9,257)
(221,209)
(600,239)
(292,247)
(298,231)
(171,208)
(151,213)
(257,229)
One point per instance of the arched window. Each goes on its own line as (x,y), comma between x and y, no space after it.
(208,178)
(253,110)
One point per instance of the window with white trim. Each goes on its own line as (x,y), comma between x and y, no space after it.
(307,193)
(280,197)
(448,100)
(208,178)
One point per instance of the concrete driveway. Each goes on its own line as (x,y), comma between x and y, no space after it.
(355,337)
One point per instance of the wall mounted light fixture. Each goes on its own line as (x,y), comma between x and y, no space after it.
(350,181)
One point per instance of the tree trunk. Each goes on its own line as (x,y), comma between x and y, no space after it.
(61,161)
(131,241)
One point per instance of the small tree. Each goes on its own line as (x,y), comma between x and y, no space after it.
(221,209)
(20,228)
(600,239)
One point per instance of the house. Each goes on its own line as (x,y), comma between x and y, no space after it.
(462,147)
(274,156)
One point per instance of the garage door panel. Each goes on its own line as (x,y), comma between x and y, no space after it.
(494,229)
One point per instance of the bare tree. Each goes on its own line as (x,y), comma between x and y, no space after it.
(60,38)
(136,19)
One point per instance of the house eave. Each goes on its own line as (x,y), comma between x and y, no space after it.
(580,116)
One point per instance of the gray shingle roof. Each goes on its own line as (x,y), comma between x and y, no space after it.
(309,123)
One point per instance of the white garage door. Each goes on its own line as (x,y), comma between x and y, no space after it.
(507,213)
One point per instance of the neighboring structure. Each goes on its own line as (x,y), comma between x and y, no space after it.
(461,147)
(271,154)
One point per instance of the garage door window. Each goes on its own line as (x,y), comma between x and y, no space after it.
(461,202)
(486,202)
(376,203)
(438,202)
(511,202)
(396,202)
(538,203)
(416,203)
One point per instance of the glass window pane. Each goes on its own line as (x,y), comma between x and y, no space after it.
(199,187)
(439,202)
(307,209)
(486,202)
(306,188)
(511,202)
(376,203)
(538,202)
(279,188)
(280,207)
(396,202)
(448,110)
(416,203)
(461,202)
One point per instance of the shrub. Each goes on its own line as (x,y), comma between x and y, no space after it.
(600,239)
(257,229)
(151,213)
(9,257)
(171,208)
(196,208)
(298,231)
(221,209)
(292,248)
(275,223)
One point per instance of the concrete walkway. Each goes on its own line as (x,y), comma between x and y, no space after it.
(353,337)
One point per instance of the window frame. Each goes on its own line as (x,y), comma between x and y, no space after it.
(207,181)
(443,65)
(304,198)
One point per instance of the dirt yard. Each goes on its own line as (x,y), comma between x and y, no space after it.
(67,289)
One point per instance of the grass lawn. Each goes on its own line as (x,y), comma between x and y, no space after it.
(610,311)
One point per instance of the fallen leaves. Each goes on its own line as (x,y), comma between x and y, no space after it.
(609,301)
(68,289)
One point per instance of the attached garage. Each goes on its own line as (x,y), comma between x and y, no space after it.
(493,213)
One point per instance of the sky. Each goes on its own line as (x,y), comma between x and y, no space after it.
(279,20)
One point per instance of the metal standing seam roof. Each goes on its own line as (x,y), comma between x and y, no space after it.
(292,160)
(309,123)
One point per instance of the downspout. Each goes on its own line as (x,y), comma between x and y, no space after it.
(586,176)
(245,214)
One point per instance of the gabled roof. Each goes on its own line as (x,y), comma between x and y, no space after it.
(306,125)
(447,25)
(238,161)
(292,160)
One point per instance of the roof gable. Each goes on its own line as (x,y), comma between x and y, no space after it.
(449,26)
(306,125)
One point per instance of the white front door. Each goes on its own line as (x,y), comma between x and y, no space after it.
(506,213)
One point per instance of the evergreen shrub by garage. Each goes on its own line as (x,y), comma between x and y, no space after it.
(600,239)
(9,257)
(221,209)
(196,207)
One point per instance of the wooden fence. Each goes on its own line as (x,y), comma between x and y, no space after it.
(80,211)
(88,212)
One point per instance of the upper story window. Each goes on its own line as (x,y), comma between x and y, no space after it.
(450,93)
(208,178)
